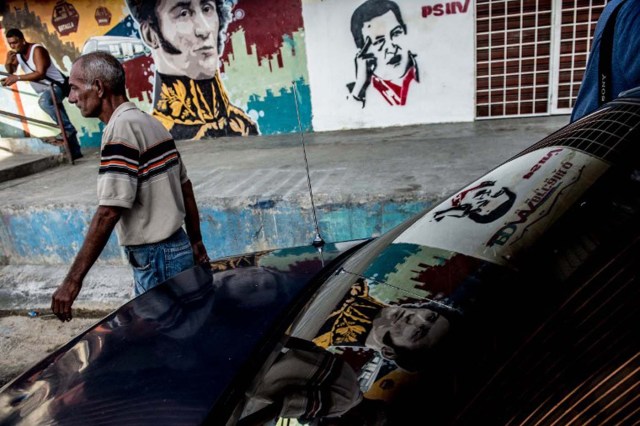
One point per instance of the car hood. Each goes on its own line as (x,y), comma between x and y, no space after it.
(173,353)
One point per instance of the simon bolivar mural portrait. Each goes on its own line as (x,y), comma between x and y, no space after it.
(186,38)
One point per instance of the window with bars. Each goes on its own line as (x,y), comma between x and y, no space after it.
(528,50)
(577,24)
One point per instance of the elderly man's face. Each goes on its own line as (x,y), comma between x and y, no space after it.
(410,328)
(191,28)
(83,94)
(387,35)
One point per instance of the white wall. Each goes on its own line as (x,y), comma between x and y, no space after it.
(444,46)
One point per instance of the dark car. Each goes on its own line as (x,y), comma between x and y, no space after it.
(515,301)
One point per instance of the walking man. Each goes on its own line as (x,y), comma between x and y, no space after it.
(143,188)
(35,62)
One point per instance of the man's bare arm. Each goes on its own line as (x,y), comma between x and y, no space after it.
(11,63)
(192,222)
(41,59)
(102,224)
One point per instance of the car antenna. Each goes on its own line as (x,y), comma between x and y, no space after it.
(317,240)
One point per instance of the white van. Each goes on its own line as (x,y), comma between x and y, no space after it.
(123,48)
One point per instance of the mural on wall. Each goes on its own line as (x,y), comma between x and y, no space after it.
(64,18)
(186,39)
(62,28)
(134,56)
(392,62)
(392,319)
(225,67)
(382,61)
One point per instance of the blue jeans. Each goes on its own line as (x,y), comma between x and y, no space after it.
(46,103)
(154,263)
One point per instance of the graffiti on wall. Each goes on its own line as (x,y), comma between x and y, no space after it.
(382,61)
(204,68)
(186,39)
(232,72)
(392,62)
(64,18)
(260,51)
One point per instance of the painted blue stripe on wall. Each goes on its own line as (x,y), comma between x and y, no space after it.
(279,110)
(54,235)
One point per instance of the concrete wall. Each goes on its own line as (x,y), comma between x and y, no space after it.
(52,235)
(269,46)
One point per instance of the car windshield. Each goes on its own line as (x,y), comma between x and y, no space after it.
(395,308)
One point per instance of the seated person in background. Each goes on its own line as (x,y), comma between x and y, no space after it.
(37,68)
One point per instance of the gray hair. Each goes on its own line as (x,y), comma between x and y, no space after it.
(105,67)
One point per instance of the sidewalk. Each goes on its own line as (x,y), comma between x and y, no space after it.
(27,156)
(253,195)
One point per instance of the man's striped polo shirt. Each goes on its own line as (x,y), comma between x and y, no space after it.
(141,170)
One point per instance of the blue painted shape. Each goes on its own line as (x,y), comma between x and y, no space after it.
(266,204)
(31,145)
(348,222)
(280,114)
(125,28)
(9,131)
(389,259)
(51,236)
(282,224)
(90,139)
(394,213)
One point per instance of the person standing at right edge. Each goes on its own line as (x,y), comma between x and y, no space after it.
(614,60)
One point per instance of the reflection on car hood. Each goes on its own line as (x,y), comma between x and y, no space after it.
(174,351)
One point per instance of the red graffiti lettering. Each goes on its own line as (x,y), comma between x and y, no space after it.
(450,8)
(543,160)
